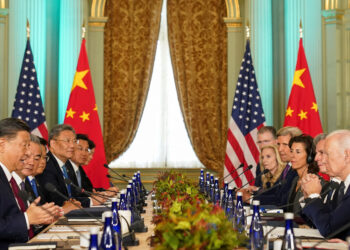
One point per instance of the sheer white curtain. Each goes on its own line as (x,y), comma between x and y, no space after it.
(162,139)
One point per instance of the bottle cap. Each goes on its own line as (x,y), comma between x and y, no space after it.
(94,230)
(114,199)
(256,203)
(106,214)
(239,194)
(216,178)
(288,216)
(226,182)
(128,186)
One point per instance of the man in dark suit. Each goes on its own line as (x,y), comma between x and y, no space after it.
(29,172)
(15,220)
(325,217)
(80,156)
(62,140)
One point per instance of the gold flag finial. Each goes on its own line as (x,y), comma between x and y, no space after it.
(247,29)
(83,30)
(300,29)
(28,29)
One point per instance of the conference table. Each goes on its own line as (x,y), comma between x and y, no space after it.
(66,238)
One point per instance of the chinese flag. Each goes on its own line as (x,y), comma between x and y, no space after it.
(82,115)
(302,110)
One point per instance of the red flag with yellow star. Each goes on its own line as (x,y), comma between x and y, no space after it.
(82,115)
(302,110)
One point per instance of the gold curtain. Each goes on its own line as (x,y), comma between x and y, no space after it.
(131,35)
(197,39)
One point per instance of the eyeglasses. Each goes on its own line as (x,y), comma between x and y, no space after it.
(67,140)
(87,150)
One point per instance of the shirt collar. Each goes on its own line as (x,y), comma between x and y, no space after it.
(30,178)
(6,171)
(75,166)
(334,179)
(17,178)
(347,183)
(60,163)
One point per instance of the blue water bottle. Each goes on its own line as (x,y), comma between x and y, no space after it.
(224,196)
(108,237)
(93,238)
(216,196)
(207,185)
(256,230)
(239,213)
(116,222)
(229,204)
(289,239)
(122,201)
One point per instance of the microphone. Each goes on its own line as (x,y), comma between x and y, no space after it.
(278,184)
(138,225)
(234,170)
(51,188)
(90,194)
(114,171)
(261,173)
(27,196)
(296,202)
(248,168)
(332,235)
(115,178)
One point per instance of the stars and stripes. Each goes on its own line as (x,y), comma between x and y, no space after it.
(247,117)
(28,105)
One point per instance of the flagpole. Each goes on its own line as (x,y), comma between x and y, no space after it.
(247,29)
(83,30)
(28,29)
(300,30)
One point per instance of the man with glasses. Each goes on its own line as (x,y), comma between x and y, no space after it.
(62,140)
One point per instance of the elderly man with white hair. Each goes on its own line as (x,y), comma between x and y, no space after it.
(336,158)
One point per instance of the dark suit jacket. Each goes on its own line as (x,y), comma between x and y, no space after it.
(326,219)
(31,193)
(279,196)
(258,182)
(53,174)
(13,226)
(85,181)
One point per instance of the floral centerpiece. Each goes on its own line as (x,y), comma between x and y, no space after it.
(187,220)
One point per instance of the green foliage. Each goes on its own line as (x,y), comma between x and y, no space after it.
(187,220)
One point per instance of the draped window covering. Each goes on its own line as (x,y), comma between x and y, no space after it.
(197,40)
(161,139)
(131,35)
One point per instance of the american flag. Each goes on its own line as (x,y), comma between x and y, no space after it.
(28,105)
(246,119)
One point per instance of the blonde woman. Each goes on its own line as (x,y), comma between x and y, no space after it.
(270,160)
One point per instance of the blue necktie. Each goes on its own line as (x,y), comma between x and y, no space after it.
(35,190)
(65,175)
(78,177)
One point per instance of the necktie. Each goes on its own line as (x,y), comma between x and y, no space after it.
(285,171)
(65,175)
(15,190)
(78,177)
(340,193)
(21,203)
(34,187)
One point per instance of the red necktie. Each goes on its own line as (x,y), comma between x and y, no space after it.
(21,203)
